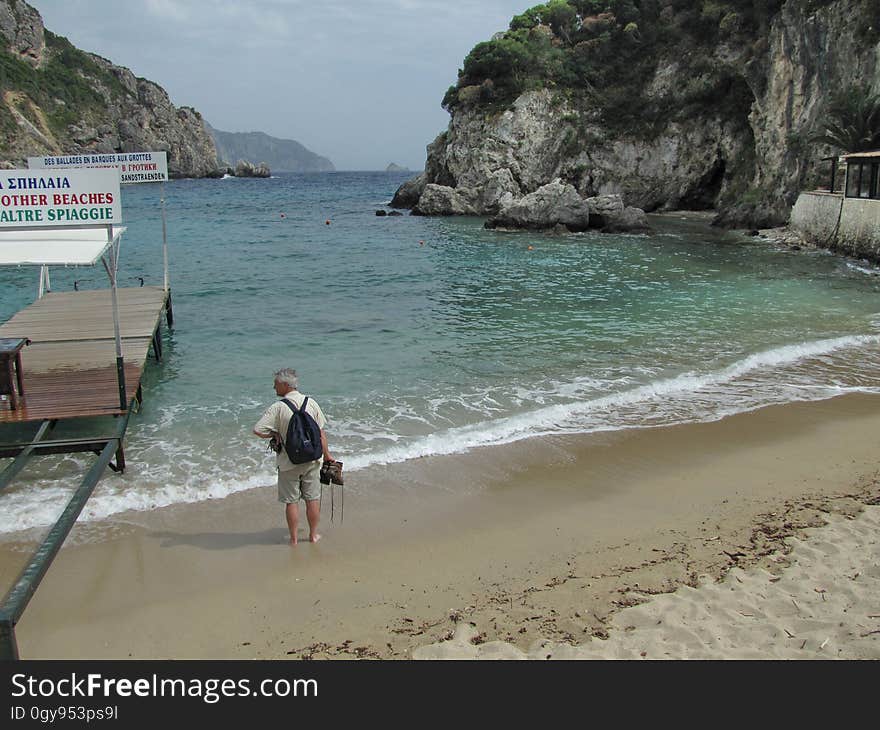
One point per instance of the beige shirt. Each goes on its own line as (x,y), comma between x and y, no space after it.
(277,416)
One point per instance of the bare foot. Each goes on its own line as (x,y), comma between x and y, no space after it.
(293,542)
(314,538)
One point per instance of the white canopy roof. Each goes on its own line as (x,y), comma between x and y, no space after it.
(55,246)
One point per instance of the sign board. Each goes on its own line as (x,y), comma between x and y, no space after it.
(134,167)
(35,198)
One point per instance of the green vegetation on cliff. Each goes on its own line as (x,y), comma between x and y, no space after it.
(65,87)
(56,99)
(675,103)
(607,51)
(853,123)
(70,87)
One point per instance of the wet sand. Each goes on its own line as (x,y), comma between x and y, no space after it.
(541,543)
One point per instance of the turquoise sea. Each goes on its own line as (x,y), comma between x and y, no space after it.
(423,336)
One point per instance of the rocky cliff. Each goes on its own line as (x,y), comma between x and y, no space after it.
(56,99)
(282,155)
(670,104)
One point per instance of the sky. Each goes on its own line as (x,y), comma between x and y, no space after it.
(357,81)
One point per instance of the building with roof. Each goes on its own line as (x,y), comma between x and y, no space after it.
(846,220)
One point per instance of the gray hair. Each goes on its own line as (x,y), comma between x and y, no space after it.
(287,375)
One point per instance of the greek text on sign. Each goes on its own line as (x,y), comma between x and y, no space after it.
(134,167)
(59,198)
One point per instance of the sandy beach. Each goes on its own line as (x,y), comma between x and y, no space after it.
(606,545)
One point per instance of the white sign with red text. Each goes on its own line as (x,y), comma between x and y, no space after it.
(34,198)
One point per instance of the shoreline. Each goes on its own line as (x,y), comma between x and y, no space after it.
(541,540)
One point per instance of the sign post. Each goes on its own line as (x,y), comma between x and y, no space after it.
(120,364)
(164,237)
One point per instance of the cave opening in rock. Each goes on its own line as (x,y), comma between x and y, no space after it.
(703,195)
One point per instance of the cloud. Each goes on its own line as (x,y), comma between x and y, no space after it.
(359,81)
(174,10)
(233,20)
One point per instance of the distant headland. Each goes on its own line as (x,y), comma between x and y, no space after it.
(281,155)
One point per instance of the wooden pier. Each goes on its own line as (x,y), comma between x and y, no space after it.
(72,355)
(69,368)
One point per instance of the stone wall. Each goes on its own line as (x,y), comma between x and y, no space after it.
(815,216)
(847,225)
(859,233)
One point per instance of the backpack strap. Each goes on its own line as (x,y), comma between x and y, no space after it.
(292,407)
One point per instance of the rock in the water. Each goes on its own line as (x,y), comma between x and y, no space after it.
(556,203)
(248,169)
(604,207)
(609,213)
(442,200)
(408,194)
(381,212)
(630,220)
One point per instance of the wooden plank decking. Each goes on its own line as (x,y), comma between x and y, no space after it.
(70,366)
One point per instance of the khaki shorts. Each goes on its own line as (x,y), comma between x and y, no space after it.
(301,482)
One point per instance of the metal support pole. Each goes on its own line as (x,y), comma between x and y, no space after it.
(157,344)
(120,383)
(120,458)
(169,311)
(164,235)
(120,365)
(41,286)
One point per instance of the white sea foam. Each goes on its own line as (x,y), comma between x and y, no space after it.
(608,412)
(42,504)
(165,472)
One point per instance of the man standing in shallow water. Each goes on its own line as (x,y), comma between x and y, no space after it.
(295,481)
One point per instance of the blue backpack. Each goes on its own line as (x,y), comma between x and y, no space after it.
(303,440)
